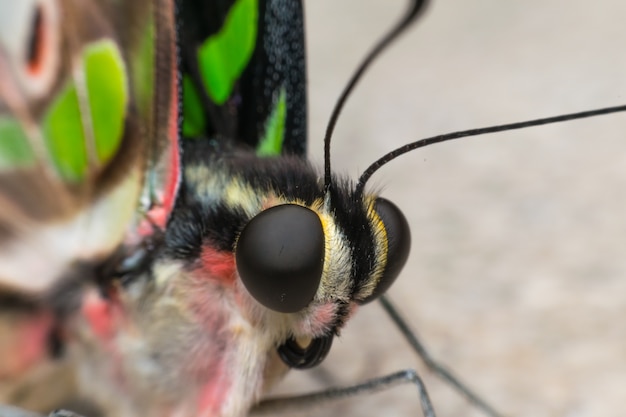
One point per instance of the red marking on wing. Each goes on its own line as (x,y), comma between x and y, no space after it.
(174,169)
(157,216)
(219,265)
(25,344)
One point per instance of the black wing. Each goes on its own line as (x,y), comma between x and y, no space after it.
(243,73)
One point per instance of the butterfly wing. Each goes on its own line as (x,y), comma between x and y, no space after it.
(79,125)
(84,135)
(244,73)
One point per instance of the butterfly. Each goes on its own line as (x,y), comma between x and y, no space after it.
(144,235)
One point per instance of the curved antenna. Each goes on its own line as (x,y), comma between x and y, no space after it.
(367,174)
(414,11)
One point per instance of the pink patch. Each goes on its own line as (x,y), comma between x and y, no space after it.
(100,314)
(218,265)
(319,320)
(156,217)
(27,346)
(213,395)
(325,313)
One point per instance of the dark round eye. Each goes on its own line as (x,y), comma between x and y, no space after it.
(280,256)
(398,244)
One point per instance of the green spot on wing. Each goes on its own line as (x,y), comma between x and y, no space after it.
(142,63)
(108,95)
(223,57)
(63,133)
(272,142)
(15,151)
(194,123)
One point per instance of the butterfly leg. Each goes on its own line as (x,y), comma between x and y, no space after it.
(433,365)
(408,376)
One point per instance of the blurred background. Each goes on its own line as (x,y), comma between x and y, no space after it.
(517,276)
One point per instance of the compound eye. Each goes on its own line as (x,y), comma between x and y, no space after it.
(398,244)
(280,257)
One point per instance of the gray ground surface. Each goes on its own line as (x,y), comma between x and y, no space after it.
(517,278)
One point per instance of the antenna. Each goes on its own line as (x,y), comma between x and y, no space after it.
(412,13)
(367,174)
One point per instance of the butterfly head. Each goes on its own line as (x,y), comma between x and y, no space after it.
(296,258)
(291,255)
(314,258)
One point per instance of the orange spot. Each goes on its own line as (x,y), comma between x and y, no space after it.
(37,44)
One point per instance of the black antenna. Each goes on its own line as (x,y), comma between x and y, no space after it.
(416,7)
(367,174)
